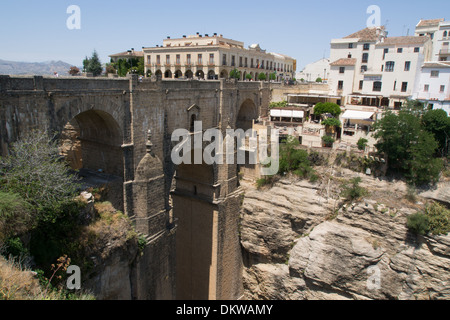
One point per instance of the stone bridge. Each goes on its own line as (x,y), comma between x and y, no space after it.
(188,213)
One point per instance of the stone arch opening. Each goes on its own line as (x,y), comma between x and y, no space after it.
(178,74)
(168,74)
(211,75)
(224,74)
(247,113)
(158,74)
(92,140)
(200,74)
(189,74)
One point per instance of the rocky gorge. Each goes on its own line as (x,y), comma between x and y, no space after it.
(301,241)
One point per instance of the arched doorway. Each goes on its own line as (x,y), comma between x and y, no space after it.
(158,74)
(189,74)
(168,74)
(224,74)
(211,75)
(247,113)
(178,74)
(200,74)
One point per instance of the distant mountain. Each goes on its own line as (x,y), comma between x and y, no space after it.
(34,68)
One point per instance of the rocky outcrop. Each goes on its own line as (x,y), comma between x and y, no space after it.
(301,244)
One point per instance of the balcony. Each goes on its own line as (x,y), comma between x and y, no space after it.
(444,51)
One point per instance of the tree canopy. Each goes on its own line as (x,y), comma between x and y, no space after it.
(408,146)
(93,64)
(327,107)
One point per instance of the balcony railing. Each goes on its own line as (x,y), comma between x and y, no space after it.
(444,51)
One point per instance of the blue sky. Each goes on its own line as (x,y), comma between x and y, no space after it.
(35,31)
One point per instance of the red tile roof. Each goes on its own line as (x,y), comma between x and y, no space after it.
(344,62)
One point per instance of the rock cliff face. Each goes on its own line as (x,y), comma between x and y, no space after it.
(300,242)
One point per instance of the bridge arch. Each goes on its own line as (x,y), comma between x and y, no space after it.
(246,114)
(92,140)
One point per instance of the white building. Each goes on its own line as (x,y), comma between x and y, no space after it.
(312,71)
(370,69)
(213,57)
(434,86)
(438,30)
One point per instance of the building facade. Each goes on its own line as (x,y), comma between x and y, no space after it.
(214,57)
(370,69)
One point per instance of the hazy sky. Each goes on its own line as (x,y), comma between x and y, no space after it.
(36,31)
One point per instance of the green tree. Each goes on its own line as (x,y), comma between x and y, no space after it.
(327,107)
(352,190)
(362,143)
(16,215)
(319,80)
(235,74)
(248,76)
(438,123)
(408,148)
(93,64)
(272,76)
(34,171)
(331,122)
(262,77)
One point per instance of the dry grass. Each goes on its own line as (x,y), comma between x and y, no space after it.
(16,283)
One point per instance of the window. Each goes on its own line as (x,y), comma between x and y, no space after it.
(224,59)
(416,49)
(246,62)
(211,58)
(149,59)
(365,58)
(366,46)
(341,69)
(443,59)
(390,65)
(349,55)
(158,59)
(361,84)
(445,34)
(178,58)
(240,62)
(167,59)
(404,86)
(395,85)
(200,59)
(386,51)
(233,61)
(399,50)
(426,88)
(340,85)
(435,73)
(363,68)
(251,63)
(442,89)
(407,65)
(377,86)
(188,59)
(350,45)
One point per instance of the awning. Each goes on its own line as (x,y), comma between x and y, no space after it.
(287,113)
(357,115)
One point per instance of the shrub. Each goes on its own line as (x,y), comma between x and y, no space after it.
(418,223)
(328,140)
(438,218)
(352,190)
(34,171)
(16,215)
(362,143)
(319,80)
